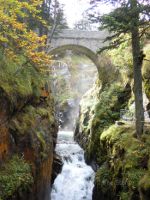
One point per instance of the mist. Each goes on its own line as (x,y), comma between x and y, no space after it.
(73,75)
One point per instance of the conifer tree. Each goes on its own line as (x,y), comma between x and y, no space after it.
(129,17)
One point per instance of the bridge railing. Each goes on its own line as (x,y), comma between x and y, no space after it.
(126,115)
(129,116)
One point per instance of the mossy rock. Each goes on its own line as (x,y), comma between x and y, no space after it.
(15,176)
(126,161)
(144,184)
(103,177)
(34,128)
(106,112)
(20,82)
(146,71)
(28,119)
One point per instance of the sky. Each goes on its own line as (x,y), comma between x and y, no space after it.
(73,10)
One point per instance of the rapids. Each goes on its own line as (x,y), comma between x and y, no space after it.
(75,182)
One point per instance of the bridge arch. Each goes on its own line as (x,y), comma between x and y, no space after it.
(79,49)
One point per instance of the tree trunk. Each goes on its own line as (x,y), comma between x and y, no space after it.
(137,65)
(54,23)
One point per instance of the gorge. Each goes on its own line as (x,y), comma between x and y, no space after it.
(74,104)
(120,161)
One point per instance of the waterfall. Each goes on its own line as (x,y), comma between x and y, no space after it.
(76,180)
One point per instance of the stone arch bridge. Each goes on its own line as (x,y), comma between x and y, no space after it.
(86,42)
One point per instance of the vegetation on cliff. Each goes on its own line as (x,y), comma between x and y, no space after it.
(111,145)
(14,174)
(100,107)
(18,81)
(28,129)
(128,18)
(121,159)
(146,71)
(126,162)
(31,127)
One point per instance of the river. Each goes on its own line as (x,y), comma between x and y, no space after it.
(75,182)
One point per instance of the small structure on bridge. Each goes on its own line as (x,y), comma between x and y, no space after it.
(85,24)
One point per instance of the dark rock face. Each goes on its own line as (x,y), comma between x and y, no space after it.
(100,195)
(57,167)
(148,109)
(28,129)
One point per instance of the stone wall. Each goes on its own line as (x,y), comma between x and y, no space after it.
(92,40)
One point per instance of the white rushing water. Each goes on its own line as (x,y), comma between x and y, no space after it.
(75,182)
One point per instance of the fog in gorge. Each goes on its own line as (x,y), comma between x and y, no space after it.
(72,76)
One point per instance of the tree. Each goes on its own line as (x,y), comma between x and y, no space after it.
(16,36)
(56,19)
(129,17)
(52,13)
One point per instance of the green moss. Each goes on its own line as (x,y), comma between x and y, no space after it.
(36,123)
(112,134)
(15,175)
(19,80)
(45,113)
(40,136)
(124,196)
(145,182)
(132,177)
(103,177)
(146,71)
(127,158)
(102,114)
(26,120)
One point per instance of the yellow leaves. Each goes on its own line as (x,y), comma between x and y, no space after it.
(31,41)
(3,39)
(31,44)
(39,58)
(18,26)
(10,54)
(14,18)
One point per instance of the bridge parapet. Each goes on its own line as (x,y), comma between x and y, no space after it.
(92,40)
(73,33)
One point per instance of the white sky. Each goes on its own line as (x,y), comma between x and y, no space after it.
(73,9)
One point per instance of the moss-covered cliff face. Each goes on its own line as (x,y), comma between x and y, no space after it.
(99,108)
(125,172)
(120,159)
(146,74)
(28,132)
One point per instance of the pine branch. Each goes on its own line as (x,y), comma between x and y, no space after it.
(113,45)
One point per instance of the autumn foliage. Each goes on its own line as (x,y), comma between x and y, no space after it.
(16,35)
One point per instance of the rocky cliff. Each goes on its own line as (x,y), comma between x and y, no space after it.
(28,132)
(121,161)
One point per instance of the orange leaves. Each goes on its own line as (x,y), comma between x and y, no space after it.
(33,45)
(18,26)
(39,58)
(15,33)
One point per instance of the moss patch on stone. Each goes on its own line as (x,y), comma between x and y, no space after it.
(126,162)
(146,71)
(15,175)
(34,127)
(19,81)
(101,113)
(27,119)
